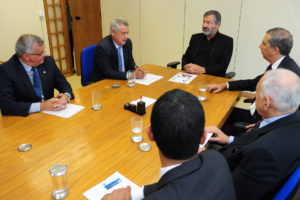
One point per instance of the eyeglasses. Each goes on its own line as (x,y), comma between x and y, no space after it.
(38,54)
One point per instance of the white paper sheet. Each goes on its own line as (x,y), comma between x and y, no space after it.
(183,78)
(148,79)
(68,112)
(148,101)
(209,135)
(115,181)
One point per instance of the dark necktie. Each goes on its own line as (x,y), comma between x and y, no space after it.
(255,127)
(37,82)
(269,68)
(120,59)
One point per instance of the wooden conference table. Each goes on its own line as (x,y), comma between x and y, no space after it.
(93,144)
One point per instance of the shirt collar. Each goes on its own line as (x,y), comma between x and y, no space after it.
(164,170)
(276,64)
(117,46)
(26,67)
(265,122)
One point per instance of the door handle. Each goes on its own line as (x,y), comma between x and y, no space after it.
(77,18)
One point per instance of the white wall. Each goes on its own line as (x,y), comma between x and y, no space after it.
(165,27)
(19,17)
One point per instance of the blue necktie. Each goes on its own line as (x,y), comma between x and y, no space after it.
(37,82)
(120,59)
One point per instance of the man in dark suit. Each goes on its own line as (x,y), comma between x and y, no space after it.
(113,54)
(262,159)
(208,52)
(177,127)
(275,48)
(28,80)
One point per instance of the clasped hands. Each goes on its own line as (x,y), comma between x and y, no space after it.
(194,69)
(57,103)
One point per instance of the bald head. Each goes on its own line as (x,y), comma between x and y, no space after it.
(282,87)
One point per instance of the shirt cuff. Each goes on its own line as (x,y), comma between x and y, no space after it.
(35,107)
(69,96)
(227,85)
(137,194)
(231,139)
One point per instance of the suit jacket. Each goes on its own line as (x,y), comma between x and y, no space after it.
(219,55)
(16,90)
(250,84)
(106,60)
(205,177)
(262,160)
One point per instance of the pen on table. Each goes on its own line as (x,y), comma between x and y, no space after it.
(186,75)
(113,183)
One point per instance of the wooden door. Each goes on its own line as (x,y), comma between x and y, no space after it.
(86,26)
(57,28)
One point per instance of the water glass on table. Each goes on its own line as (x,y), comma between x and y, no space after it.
(136,128)
(96,99)
(131,78)
(202,88)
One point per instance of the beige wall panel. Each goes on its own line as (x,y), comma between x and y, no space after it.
(257,17)
(19,17)
(128,9)
(161,31)
(230,12)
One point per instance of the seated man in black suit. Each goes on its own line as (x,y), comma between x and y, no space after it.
(275,48)
(28,80)
(177,127)
(113,54)
(208,52)
(262,159)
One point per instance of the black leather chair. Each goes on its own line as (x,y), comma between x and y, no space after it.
(175,63)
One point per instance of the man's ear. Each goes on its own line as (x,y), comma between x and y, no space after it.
(149,133)
(268,102)
(203,137)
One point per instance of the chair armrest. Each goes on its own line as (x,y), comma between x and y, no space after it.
(230,75)
(173,64)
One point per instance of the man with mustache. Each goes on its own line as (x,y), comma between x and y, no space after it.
(208,52)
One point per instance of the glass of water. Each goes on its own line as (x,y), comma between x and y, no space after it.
(136,128)
(59,179)
(131,78)
(202,88)
(96,99)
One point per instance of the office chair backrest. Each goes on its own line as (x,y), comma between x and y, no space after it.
(289,186)
(87,62)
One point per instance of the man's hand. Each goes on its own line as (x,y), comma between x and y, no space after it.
(194,69)
(215,88)
(140,72)
(218,135)
(63,97)
(54,104)
(119,194)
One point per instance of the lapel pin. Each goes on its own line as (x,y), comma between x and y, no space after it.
(44,72)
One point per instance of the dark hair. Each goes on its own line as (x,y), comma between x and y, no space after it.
(282,39)
(177,123)
(214,13)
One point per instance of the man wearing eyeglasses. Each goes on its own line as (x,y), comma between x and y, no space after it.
(28,80)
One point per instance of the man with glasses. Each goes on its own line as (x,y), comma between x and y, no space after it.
(28,80)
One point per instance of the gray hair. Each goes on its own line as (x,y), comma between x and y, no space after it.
(216,14)
(115,24)
(25,44)
(283,87)
(282,39)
